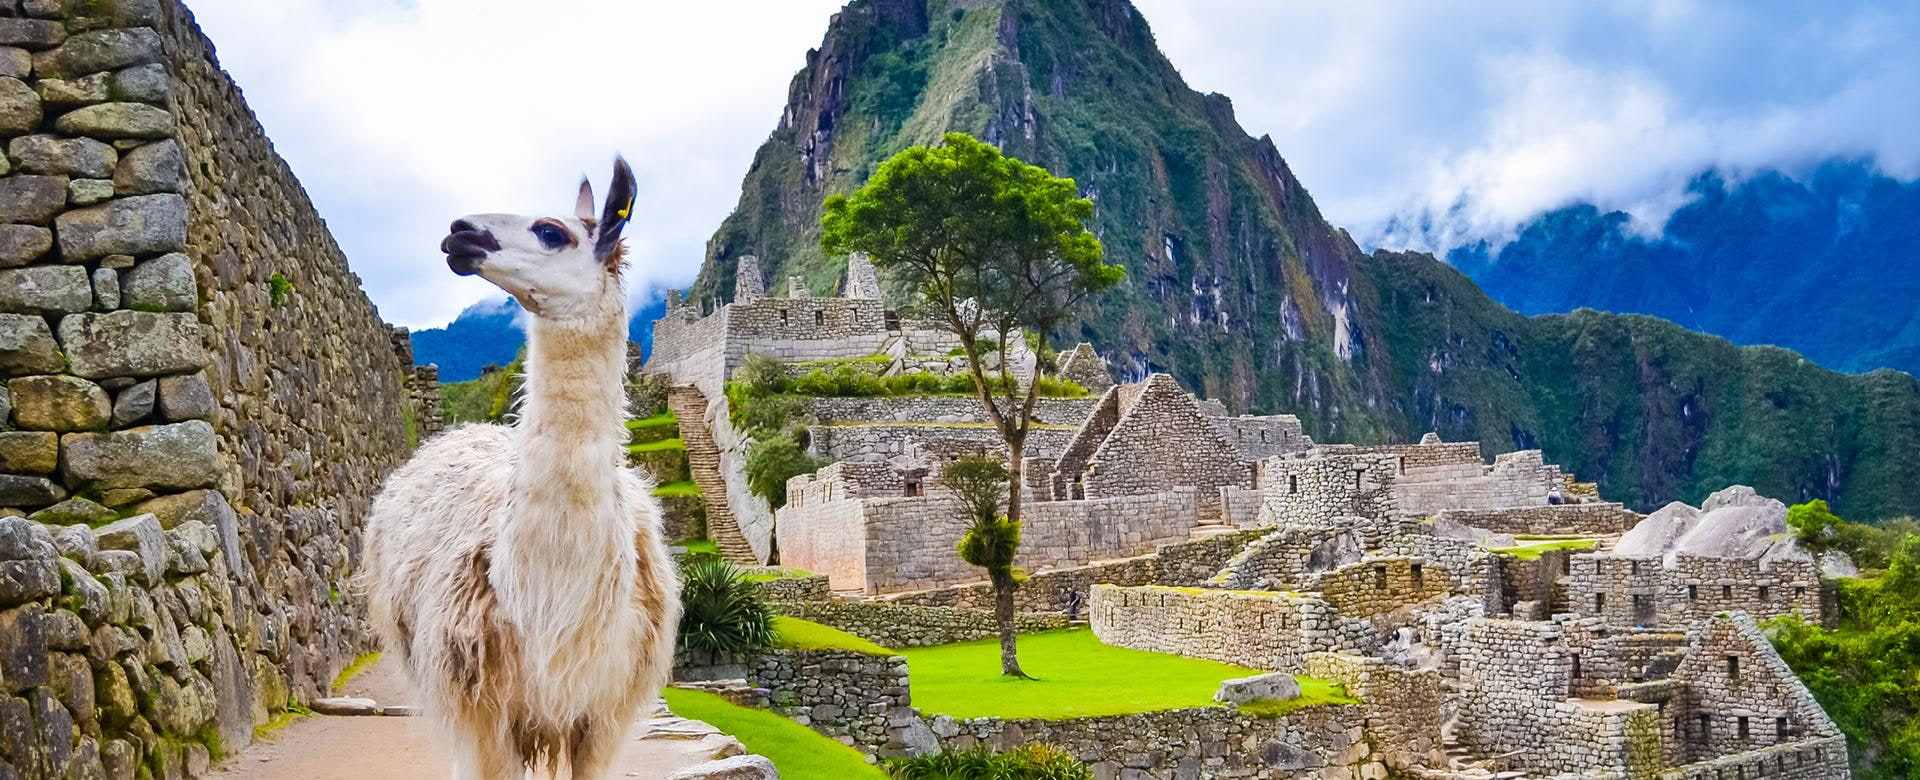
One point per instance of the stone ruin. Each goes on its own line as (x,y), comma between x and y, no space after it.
(197,404)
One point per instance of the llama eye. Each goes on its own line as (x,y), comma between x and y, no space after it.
(551,237)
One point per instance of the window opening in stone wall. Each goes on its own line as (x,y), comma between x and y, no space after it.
(1293,484)
(819,317)
(1733,667)
(1780,729)
(892,320)
(1741,724)
(783,316)
(1634,566)
(1576,669)
(913,488)
(1380,576)
(1566,564)
(1693,593)
(1799,590)
(1726,593)
(1705,732)
(1419,576)
(1356,482)
(1642,609)
(1763,594)
(1599,603)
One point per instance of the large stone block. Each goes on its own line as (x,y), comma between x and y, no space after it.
(134,403)
(150,168)
(31,33)
(179,456)
(23,244)
(25,491)
(70,156)
(45,289)
(142,225)
(131,343)
(186,397)
(143,84)
(23,649)
(32,199)
(164,283)
(58,403)
(94,14)
(20,110)
(117,120)
(27,346)
(29,452)
(73,92)
(142,535)
(15,63)
(75,511)
(98,50)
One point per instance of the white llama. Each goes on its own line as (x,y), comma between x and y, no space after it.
(519,571)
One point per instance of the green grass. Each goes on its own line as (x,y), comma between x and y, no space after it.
(662,445)
(659,420)
(1531,552)
(791,633)
(1313,692)
(1078,677)
(798,752)
(354,669)
(778,573)
(681,489)
(699,546)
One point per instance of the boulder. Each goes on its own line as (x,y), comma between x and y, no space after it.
(117,120)
(31,33)
(23,244)
(131,343)
(45,289)
(206,507)
(134,403)
(27,347)
(98,50)
(33,199)
(747,767)
(150,168)
(345,705)
(15,63)
(1273,685)
(142,84)
(179,456)
(29,452)
(23,490)
(186,397)
(74,511)
(28,580)
(20,110)
(141,535)
(57,402)
(69,156)
(23,649)
(164,283)
(82,91)
(139,225)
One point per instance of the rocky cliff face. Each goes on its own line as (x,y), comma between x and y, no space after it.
(1240,288)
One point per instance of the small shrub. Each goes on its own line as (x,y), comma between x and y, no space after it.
(278,288)
(773,460)
(1032,761)
(719,612)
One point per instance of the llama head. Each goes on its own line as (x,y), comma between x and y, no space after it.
(557,267)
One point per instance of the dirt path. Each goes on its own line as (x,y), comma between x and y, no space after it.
(323,747)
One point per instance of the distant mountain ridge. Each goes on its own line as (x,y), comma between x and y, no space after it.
(489,333)
(1827,264)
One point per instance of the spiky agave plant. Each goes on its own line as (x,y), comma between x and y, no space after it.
(1027,762)
(719,612)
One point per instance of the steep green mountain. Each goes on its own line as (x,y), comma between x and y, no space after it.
(1240,288)
(1827,264)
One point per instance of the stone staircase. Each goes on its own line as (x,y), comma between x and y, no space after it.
(703,459)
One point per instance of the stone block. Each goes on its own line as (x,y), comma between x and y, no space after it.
(141,535)
(178,456)
(20,110)
(31,33)
(58,403)
(345,705)
(98,50)
(86,192)
(85,90)
(23,244)
(142,84)
(23,649)
(747,767)
(67,156)
(134,403)
(150,168)
(45,289)
(1275,685)
(164,283)
(142,225)
(131,343)
(28,580)
(74,511)
(27,346)
(207,507)
(186,397)
(31,199)
(29,452)
(106,289)
(15,63)
(23,490)
(92,14)
(117,120)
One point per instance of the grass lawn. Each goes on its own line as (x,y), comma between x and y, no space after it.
(699,546)
(654,421)
(778,573)
(1313,690)
(683,487)
(662,445)
(800,753)
(1531,552)
(792,633)
(1078,677)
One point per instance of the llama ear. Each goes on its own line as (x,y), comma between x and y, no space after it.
(583,207)
(614,215)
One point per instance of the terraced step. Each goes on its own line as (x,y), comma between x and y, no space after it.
(703,460)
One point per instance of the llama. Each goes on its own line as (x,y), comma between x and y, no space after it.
(518,571)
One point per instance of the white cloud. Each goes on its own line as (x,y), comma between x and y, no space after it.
(400,116)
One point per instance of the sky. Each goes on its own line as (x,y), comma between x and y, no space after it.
(1414,124)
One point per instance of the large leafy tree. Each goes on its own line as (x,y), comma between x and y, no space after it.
(993,245)
(979,486)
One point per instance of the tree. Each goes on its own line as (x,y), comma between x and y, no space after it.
(993,245)
(979,485)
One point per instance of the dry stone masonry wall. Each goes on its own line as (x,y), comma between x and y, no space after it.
(198,404)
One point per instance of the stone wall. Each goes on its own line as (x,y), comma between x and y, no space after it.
(1258,437)
(1587,519)
(789,586)
(1516,479)
(1401,707)
(423,390)
(1515,683)
(940,409)
(863,699)
(883,441)
(912,625)
(1740,696)
(1267,630)
(190,366)
(1646,591)
(1186,563)
(1378,585)
(1810,759)
(1161,441)
(1315,489)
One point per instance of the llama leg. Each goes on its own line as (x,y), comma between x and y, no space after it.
(481,754)
(595,748)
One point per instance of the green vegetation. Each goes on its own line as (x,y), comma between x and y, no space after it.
(1313,692)
(771,462)
(487,399)
(700,547)
(656,420)
(1531,552)
(353,670)
(680,489)
(1032,761)
(791,633)
(1076,679)
(659,445)
(800,753)
(278,288)
(777,573)
(719,612)
(979,487)
(1866,672)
